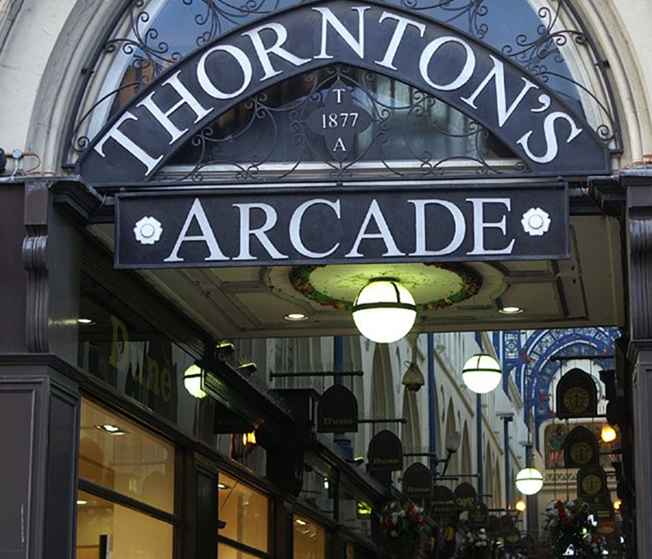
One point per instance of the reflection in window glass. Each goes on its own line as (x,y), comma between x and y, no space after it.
(245,512)
(309,540)
(118,455)
(355,511)
(123,532)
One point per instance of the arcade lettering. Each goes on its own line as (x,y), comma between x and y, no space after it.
(431,57)
(291,228)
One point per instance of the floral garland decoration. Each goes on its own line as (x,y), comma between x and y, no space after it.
(571,524)
(405,528)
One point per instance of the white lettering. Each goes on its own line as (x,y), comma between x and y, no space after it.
(339,145)
(466,72)
(295,227)
(263,52)
(328,18)
(134,149)
(207,236)
(479,225)
(187,98)
(384,233)
(552,149)
(207,84)
(246,232)
(420,228)
(401,26)
(498,75)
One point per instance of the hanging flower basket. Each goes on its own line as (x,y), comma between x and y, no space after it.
(406,530)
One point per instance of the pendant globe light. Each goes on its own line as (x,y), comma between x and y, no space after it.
(384,311)
(529,481)
(192,381)
(482,373)
(608,434)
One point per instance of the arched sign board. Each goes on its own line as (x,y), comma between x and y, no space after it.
(385,453)
(466,496)
(550,137)
(337,411)
(443,505)
(592,489)
(581,448)
(417,482)
(576,395)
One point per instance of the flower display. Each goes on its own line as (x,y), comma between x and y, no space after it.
(571,526)
(406,529)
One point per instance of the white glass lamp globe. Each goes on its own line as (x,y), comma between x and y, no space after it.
(192,381)
(384,311)
(529,481)
(482,373)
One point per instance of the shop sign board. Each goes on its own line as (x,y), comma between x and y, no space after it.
(293,226)
(466,496)
(581,448)
(337,411)
(443,502)
(577,395)
(385,452)
(417,482)
(540,127)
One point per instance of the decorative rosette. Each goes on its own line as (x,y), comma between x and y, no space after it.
(536,222)
(148,230)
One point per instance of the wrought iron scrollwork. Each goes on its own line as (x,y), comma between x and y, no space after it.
(148,44)
(560,26)
(273,141)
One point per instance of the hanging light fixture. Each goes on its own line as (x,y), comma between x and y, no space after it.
(384,311)
(608,433)
(192,381)
(520,505)
(618,504)
(529,481)
(482,373)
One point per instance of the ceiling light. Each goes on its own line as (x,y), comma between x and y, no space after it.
(111,429)
(301,522)
(295,317)
(608,433)
(482,373)
(222,486)
(520,505)
(81,502)
(529,481)
(510,310)
(84,321)
(618,504)
(192,381)
(384,311)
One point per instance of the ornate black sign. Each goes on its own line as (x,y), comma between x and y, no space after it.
(466,496)
(443,503)
(290,226)
(417,482)
(577,395)
(581,448)
(337,411)
(548,135)
(385,452)
(592,488)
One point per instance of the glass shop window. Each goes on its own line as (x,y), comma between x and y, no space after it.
(244,513)
(125,475)
(355,510)
(309,541)
(318,490)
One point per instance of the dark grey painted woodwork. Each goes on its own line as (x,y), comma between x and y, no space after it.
(205,510)
(12,277)
(35,246)
(39,410)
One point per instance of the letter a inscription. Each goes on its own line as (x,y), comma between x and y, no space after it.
(339,120)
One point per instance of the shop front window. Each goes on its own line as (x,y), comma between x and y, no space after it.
(125,504)
(244,514)
(309,541)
